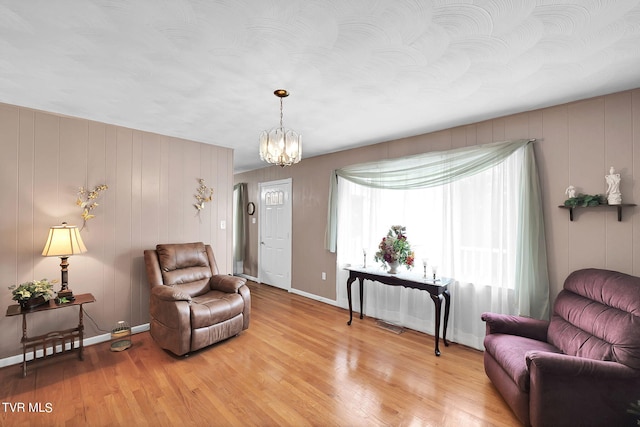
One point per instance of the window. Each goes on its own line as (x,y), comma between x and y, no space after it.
(467,228)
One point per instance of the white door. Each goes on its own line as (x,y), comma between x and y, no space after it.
(275,234)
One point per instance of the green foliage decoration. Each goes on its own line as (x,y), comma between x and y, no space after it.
(585,200)
(33,289)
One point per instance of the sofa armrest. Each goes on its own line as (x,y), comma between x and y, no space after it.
(168,293)
(516,325)
(570,390)
(224,283)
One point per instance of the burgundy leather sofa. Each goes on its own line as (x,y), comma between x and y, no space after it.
(191,305)
(580,369)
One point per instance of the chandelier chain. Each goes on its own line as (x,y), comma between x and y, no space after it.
(281,114)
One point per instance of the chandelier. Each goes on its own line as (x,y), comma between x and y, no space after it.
(281,146)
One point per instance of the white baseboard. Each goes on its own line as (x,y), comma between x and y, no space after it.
(314,297)
(298,292)
(14,360)
(246,276)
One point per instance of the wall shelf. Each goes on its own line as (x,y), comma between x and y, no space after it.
(618,207)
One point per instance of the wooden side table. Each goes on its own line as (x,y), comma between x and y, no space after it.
(53,338)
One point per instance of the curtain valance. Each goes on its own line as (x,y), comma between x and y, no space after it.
(419,171)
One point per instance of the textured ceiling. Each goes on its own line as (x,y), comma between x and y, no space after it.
(359,71)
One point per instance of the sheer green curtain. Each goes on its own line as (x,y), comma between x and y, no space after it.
(438,168)
(240,199)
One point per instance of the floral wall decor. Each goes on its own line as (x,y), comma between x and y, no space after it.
(87,200)
(204,194)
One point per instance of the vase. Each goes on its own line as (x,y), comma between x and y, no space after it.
(27,304)
(393,267)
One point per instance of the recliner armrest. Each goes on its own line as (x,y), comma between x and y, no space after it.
(224,283)
(562,365)
(570,391)
(167,293)
(516,325)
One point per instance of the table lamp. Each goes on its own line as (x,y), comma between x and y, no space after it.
(63,241)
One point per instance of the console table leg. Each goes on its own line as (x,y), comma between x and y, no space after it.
(437,300)
(350,281)
(361,296)
(447,302)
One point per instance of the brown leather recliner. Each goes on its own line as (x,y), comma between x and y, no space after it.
(191,305)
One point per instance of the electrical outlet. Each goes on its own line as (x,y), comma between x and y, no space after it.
(324,276)
(223,224)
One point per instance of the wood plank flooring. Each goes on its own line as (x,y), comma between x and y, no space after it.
(298,364)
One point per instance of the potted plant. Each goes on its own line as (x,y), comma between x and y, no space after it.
(32,294)
(394,249)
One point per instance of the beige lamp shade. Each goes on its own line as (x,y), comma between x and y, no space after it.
(63,241)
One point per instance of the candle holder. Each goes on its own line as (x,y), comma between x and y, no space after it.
(424,266)
(364,254)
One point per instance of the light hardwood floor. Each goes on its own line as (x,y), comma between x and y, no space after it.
(298,364)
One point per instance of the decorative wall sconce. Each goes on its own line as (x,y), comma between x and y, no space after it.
(87,200)
(204,194)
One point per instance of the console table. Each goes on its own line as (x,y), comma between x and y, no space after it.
(437,290)
(53,338)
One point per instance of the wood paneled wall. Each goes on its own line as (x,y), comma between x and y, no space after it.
(577,143)
(152,182)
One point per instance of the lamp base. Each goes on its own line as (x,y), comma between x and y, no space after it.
(66,293)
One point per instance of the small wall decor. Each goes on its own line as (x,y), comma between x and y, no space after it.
(570,191)
(614,197)
(204,194)
(87,200)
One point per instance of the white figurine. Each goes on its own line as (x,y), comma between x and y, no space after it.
(614,197)
(570,192)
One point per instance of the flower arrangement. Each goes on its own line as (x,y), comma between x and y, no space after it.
(87,201)
(33,289)
(394,247)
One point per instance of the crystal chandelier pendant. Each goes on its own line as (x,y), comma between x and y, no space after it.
(281,146)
